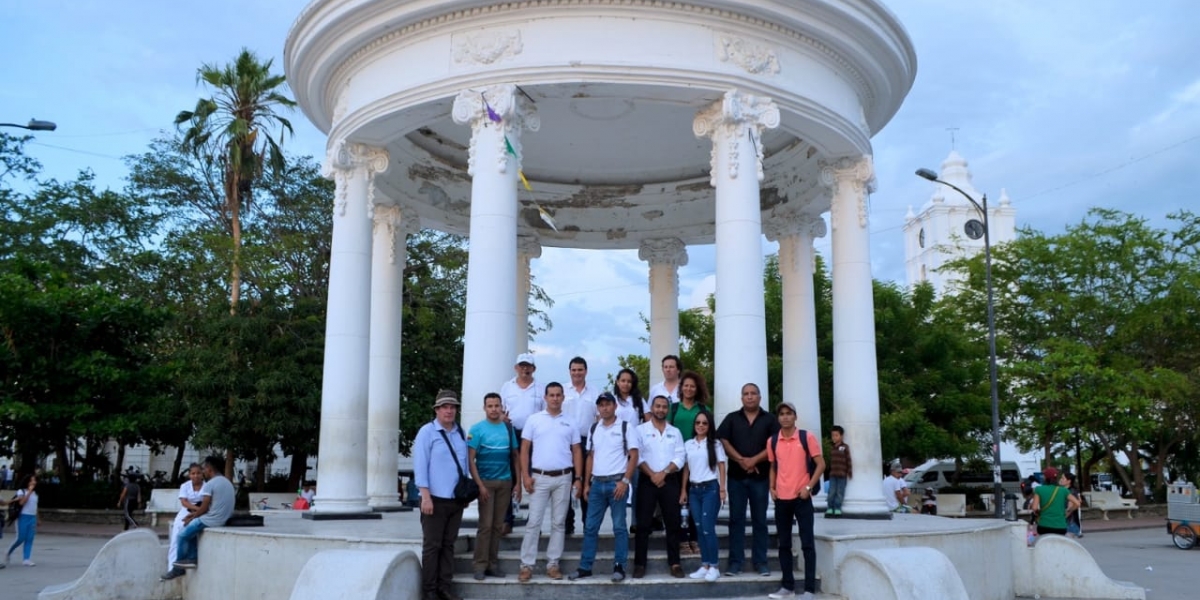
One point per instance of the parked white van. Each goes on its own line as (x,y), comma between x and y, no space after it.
(939,474)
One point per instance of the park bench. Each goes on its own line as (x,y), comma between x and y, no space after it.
(952,505)
(1105,501)
(271,501)
(163,501)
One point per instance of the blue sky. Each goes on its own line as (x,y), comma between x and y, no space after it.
(1067,105)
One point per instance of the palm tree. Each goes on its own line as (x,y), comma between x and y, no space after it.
(233,128)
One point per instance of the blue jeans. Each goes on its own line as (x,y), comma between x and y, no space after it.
(189,540)
(26,531)
(837,493)
(704,501)
(600,498)
(756,493)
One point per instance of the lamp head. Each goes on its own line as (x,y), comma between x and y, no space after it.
(36,125)
(927,174)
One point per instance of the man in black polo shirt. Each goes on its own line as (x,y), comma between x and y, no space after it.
(745,434)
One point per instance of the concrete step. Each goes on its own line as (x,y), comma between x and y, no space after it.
(574,542)
(656,562)
(657,587)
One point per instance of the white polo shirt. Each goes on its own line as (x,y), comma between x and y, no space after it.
(581,406)
(552,438)
(660,389)
(697,460)
(520,402)
(607,446)
(659,449)
(627,411)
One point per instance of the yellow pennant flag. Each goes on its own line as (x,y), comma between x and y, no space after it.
(524,182)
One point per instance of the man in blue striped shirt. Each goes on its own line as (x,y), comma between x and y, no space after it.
(439,444)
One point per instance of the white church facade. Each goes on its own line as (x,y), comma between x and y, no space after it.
(935,235)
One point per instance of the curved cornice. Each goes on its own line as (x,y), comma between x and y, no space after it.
(860,39)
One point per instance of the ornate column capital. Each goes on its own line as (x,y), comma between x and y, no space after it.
(501,106)
(529,246)
(736,115)
(389,220)
(669,251)
(784,224)
(345,160)
(846,175)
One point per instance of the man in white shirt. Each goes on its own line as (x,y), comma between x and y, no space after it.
(580,406)
(660,460)
(669,386)
(612,455)
(895,489)
(550,462)
(521,395)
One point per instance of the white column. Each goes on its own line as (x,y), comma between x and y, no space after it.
(383,399)
(528,248)
(795,233)
(735,126)
(491,313)
(855,376)
(342,454)
(665,256)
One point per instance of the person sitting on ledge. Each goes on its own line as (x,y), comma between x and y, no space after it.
(216,506)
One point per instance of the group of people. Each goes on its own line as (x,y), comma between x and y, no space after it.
(552,444)
(206,500)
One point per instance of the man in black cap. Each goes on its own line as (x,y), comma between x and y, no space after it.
(612,454)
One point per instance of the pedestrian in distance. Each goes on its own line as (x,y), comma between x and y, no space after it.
(27,520)
(131,498)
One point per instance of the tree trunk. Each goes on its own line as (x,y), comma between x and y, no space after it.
(64,463)
(260,472)
(1139,475)
(298,470)
(120,466)
(178,465)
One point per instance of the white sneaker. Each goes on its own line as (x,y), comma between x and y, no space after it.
(807,596)
(713,574)
(700,573)
(782,593)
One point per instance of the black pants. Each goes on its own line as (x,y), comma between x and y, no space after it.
(800,511)
(666,499)
(438,532)
(583,504)
(129,520)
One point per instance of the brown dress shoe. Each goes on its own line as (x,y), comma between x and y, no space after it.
(695,547)
(677,571)
(553,572)
(525,575)
(639,571)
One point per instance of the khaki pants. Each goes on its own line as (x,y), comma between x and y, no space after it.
(491,523)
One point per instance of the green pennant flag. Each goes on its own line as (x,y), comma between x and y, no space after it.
(508,145)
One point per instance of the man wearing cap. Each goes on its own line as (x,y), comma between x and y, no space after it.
(792,488)
(439,443)
(521,397)
(580,405)
(660,462)
(745,434)
(895,489)
(612,452)
(551,469)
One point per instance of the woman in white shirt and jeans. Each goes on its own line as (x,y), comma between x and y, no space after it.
(703,490)
(27,522)
(189,500)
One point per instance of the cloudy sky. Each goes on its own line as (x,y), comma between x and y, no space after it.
(1067,105)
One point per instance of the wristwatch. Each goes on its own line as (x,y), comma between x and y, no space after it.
(625,481)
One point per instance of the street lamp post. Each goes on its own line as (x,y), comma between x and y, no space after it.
(34,125)
(972,229)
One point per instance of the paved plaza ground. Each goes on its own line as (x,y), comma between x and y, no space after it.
(1137,550)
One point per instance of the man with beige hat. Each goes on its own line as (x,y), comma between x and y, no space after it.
(440,442)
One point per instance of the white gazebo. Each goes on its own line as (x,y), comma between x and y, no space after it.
(600,124)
